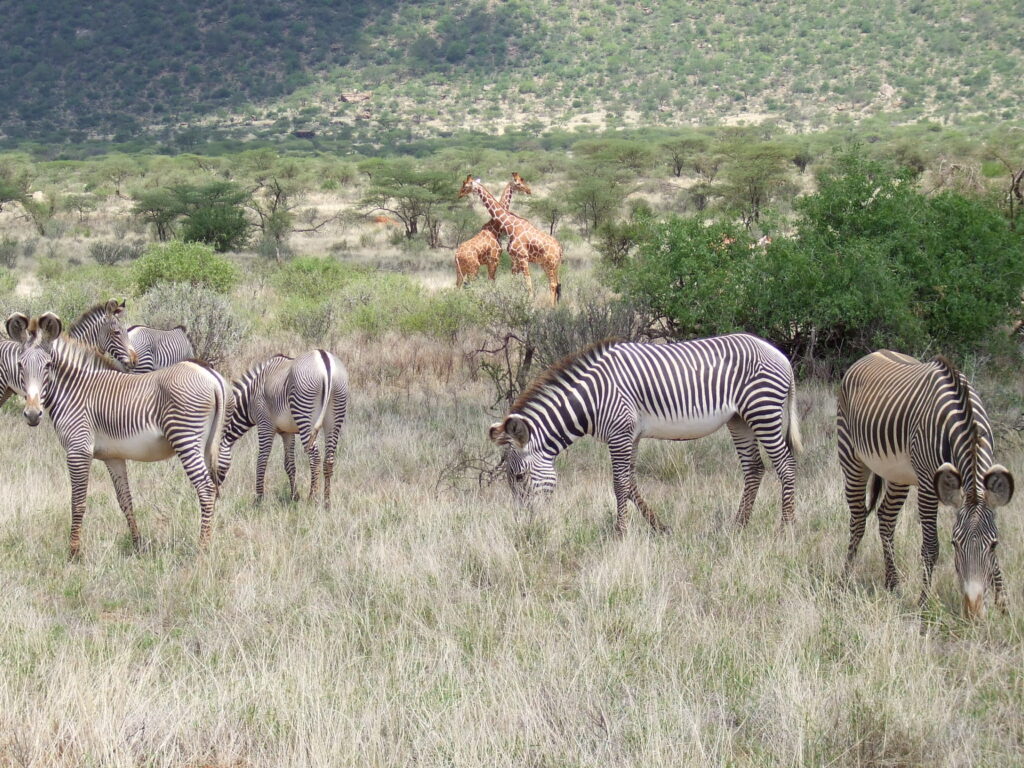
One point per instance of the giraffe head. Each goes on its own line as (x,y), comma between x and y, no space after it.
(467,186)
(519,185)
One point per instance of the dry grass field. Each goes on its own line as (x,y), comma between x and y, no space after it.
(428,621)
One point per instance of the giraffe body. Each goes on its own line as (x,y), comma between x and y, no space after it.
(485,246)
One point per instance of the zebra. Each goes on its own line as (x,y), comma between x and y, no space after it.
(101,413)
(101,326)
(10,381)
(903,422)
(620,392)
(157,349)
(285,396)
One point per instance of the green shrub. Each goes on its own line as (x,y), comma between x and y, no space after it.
(312,277)
(223,227)
(114,251)
(180,262)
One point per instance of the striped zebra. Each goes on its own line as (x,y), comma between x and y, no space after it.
(158,349)
(306,395)
(100,413)
(101,326)
(902,422)
(620,392)
(10,380)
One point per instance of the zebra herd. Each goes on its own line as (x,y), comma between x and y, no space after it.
(178,407)
(901,422)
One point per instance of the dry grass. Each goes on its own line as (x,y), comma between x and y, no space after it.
(415,625)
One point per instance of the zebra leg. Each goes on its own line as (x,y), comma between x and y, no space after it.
(751,463)
(119,475)
(194,463)
(855,483)
(266,443)
(771,435)
(623,482)
(646,511)
(78,470)
(888,514)
(927,507)
(309,442)
(997,584)
(288,442)
(333,423)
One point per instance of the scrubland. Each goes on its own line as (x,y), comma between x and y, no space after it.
(426,619)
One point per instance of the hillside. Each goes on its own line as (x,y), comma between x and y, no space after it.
(119,70)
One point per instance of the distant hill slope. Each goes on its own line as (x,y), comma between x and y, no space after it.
(71,69)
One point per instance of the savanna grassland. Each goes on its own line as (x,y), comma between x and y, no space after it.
(427,620)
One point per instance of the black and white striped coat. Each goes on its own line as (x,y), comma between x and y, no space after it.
(155,348)
(623,392)
(307,395)
(905,423)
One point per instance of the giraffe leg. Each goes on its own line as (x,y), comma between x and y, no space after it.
(119,475)
(751,463)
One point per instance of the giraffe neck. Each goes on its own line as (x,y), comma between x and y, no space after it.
(497,213)
(506,197)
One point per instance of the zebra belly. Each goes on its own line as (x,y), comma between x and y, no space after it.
(684,427)
(284,422)
(150,445)
(894,468)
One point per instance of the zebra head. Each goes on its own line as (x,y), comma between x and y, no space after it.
(974,530)
(112,337)
(528,469)
(36,338)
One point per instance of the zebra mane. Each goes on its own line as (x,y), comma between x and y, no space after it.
(556,372)
(82,355)
(87,318)
(963,396)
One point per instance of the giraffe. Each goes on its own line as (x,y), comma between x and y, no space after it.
(485,246)
(526,243)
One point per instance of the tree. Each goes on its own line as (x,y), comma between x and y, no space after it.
(681,153)
(208,213)
(595,194)
(415,196)
(755,175)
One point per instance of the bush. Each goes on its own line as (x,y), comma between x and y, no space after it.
(10,249)
(179,262)
(116,251)
(311,277)
(215,328)
(223,227)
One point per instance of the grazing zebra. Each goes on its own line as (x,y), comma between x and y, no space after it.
(906,423)
(10,380)
(100,413)
(101,327)
(157,349)
(621,392)
(285,396)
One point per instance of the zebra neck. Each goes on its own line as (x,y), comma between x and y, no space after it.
(551,436)
(241,420)
(73,357)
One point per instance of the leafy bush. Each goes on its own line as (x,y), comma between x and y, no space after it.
(215,328)
(116,251)
(312,277)
(10,249)
(179,262)
(223,227)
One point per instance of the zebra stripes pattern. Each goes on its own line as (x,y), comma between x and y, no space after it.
(622,392)
(906,423)
(101,326)
(156,349)
(306,395)
(100,413)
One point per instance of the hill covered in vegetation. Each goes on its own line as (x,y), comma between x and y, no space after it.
(120,70)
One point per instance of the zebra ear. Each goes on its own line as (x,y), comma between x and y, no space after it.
(111,306)
(17,327)
(51,327)
(998,485)
(518,429)
(948,485)
(496,432)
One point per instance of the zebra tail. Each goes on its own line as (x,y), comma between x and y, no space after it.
(325,392)
(213,439)
(793,439)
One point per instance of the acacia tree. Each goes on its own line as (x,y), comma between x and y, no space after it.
(754,176)
(413,195)
(681,153)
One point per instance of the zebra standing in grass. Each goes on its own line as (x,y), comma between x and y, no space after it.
(306,395)
(10,380)
(158,349)
(906,423)
(621,392)
(102,327)
(100,413)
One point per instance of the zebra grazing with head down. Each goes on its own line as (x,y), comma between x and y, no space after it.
(620,392)
(906,423)
(157,349)
(100,413)
(102,327)
(306,395)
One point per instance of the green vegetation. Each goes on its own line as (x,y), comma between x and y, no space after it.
(180,262)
